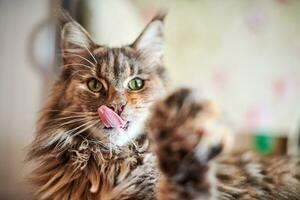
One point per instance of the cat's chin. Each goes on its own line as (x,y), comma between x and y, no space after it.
(125,136)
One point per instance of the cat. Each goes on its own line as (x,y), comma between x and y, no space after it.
(76,156)
(192,164)
(162,152)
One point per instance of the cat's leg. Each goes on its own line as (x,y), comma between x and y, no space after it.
(180,142)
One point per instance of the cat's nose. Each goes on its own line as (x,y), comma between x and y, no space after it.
(118,108)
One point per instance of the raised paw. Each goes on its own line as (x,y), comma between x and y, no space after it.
(178,130)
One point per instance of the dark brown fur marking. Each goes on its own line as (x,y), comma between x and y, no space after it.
(75,157)
(242,176)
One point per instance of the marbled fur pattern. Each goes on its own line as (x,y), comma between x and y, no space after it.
(75,156)
(188,173)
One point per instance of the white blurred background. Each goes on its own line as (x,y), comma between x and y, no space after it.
(244,54)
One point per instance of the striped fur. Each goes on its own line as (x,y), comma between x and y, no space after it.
(76,157)
(192,172)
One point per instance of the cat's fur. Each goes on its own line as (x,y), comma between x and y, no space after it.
(191,171)
(77,158)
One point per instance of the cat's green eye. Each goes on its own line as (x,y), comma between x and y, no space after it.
(136,84)
(94,85)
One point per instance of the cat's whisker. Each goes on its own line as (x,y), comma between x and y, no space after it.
(78,71)
(110,146)
(79,75)
(78,127)
(88,50)
(73,54)
(74,117)
(61,144)
(67,123)
(75,73)
(73,121)
(79,64)
(84,129)
(96,62)
(66,111)
(69,117)
(77,120)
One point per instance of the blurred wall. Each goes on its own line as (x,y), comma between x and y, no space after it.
(245,54)
(21,90)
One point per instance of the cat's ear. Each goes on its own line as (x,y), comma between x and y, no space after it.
(74,38)
(151,41)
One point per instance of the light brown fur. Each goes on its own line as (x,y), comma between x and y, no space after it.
(191,170)
(76,157)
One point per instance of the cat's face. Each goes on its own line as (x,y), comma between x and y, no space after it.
(126,79)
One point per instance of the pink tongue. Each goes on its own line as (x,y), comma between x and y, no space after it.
(109,118)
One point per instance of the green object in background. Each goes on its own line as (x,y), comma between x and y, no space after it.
(264,143)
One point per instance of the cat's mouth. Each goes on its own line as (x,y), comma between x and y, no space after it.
(124,128)
(111,120)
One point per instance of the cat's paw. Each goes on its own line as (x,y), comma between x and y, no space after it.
(179,128)
(172,120)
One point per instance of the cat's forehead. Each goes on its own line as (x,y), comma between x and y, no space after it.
(117,64)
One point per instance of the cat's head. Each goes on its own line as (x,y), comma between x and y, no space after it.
(127,79)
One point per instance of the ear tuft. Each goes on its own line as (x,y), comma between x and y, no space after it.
(73,36)
(151,41)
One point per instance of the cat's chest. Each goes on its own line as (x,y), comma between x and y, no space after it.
(125,182)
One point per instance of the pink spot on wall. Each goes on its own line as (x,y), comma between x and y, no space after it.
(220,78)
(255,19)
(284,87)
(258,116)
(285,2)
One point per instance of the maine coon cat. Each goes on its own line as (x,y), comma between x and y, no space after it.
(79,156)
